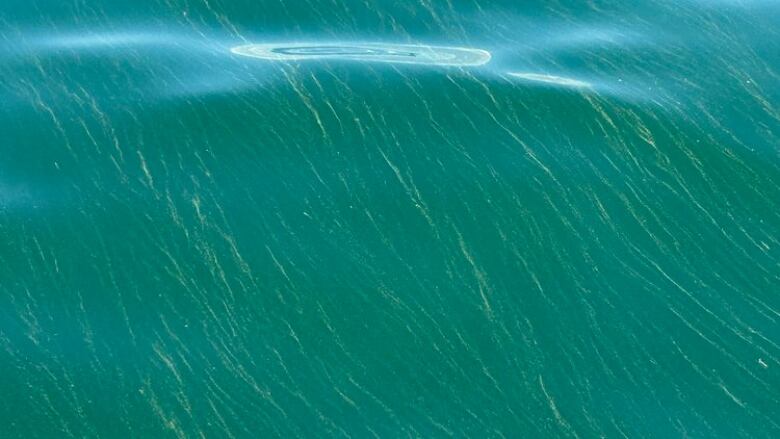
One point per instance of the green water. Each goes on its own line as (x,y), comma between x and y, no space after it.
(577,238)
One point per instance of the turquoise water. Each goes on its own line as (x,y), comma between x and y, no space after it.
(234,218)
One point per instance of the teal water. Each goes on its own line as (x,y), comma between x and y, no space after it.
(395,219)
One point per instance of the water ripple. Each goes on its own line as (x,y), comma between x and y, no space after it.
(372,52)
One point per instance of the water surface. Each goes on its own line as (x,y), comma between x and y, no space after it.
(433,219)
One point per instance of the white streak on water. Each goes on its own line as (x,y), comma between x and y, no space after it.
(550,79)
(373,52)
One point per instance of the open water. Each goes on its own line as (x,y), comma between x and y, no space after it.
(343,218)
